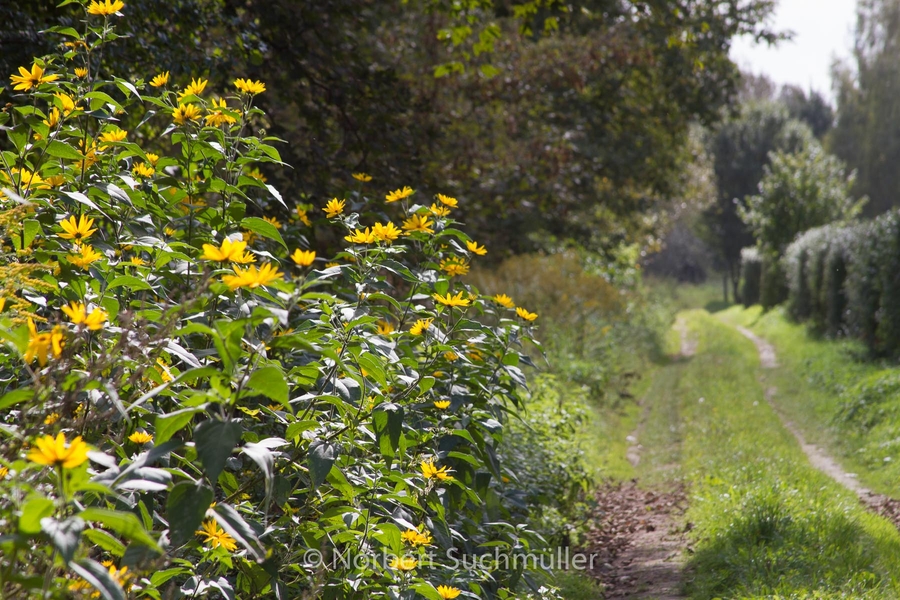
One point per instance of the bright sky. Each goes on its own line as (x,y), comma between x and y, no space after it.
(823,30)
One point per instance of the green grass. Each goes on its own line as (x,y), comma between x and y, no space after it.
(835,396)
(767,524)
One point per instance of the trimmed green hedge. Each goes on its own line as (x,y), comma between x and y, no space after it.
(845,280)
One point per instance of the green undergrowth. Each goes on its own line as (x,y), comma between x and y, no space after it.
(767,524)
(836,396)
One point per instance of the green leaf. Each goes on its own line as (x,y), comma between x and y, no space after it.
(426,589)
(389,535)
(168,425)
(185,507)
(125,524)
(214,441)
(263,228)
(34,509)
(14,397)
(271,383)
(235,525)
(100,538)
(62,150)
(65,535)
(320,460)
(388,422)
(129,281)
(98,576)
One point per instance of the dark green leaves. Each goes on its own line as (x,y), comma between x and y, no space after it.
(388,422)
(214,441)
(321,458)
(185,508)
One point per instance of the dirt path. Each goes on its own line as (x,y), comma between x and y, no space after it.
(879,503)
(639,535)
(638,542)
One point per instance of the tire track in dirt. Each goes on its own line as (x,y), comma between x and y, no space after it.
(885,506)
(638,534)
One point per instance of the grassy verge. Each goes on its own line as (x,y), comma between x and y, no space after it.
(767,524)
(835,396)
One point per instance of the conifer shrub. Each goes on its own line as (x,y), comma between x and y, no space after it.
(751,276)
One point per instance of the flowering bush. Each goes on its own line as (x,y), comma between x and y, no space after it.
(194,402)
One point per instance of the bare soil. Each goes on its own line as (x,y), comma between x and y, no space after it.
(639,542)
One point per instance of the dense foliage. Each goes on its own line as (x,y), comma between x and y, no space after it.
(554,121)
(195,402)
(854,291)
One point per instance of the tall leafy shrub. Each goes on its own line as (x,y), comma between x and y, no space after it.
(751,275)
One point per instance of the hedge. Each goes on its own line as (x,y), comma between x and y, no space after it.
(845,280)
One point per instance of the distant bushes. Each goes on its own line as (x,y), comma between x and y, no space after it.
(845,280)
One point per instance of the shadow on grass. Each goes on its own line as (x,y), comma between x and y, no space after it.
(717,305)
(771,548)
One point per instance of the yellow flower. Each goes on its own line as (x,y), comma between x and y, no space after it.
(78,314)
(400,194)
(416,538)
(160,80)
(152,158)
(3,472)
(194,89)
(250,87)
(169,231)
(143,170)
(448,593)
(418,223)
(217,117)
(474,248)
(105,7)
(68,103)
(26,80)
(442,404)
(454,266)
(85,257)
(140,437)
(245,258)
(252,277)
(273,221)
(503,300)
(404,563)
(77,230)
(451,300)
(53,119)
(163,370)
(248,236)
(303,215)
(361,237)
(334,208)
(386,233)
(328,265)
(56,180)
(429,471)
(90,155)
(447,201)
(215,536)
(112,135)
(528,316)
(256,174)
(385,327)
(30,180)
(137,261)
(53,452)
(303,258)
(439,211)
(364,177)
(185,113)
(51,418)
(81,72)
(420,326)
(451,356)
(228,251)
(41,345)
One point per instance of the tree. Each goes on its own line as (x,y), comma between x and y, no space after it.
(865,134)
(740,149)
(799,191)
(812,109)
